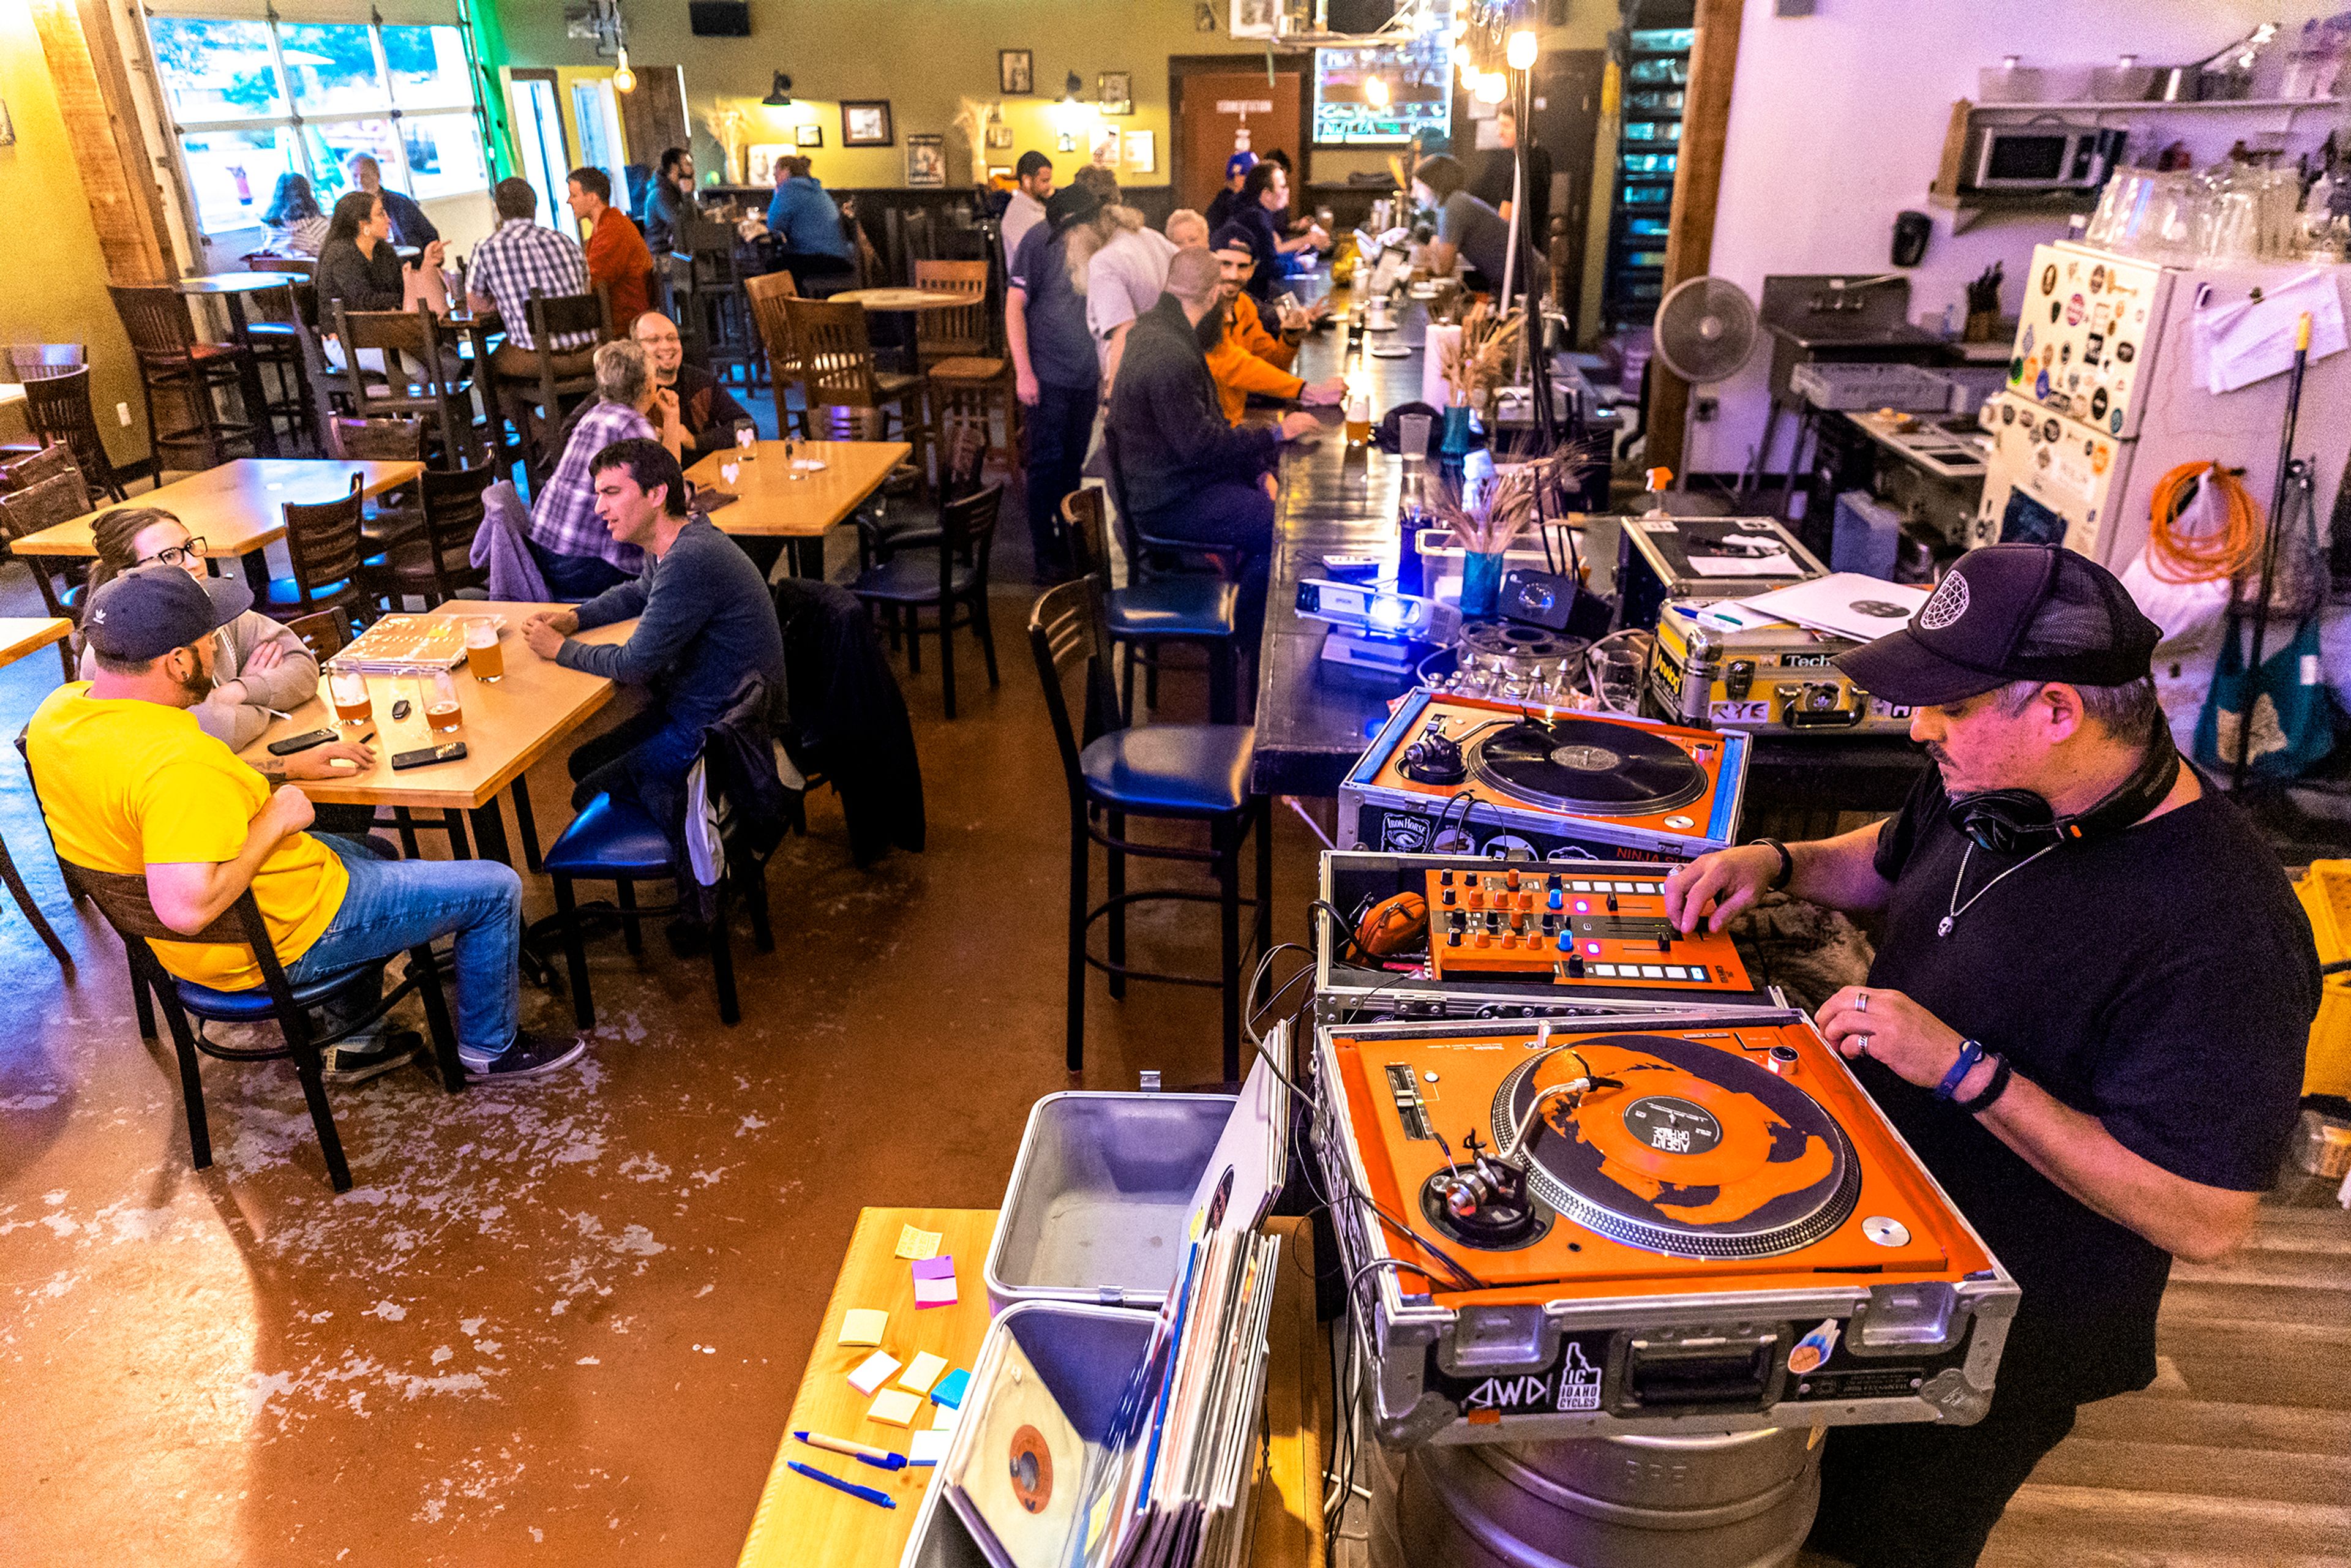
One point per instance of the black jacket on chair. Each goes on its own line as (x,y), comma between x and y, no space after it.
(849,721)
(738,760)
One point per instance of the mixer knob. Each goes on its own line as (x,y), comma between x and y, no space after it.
(1510,879)
(1558,899)
(1567,941)
(1444,878)
(1575,966)
(1448,895)
(1612,904)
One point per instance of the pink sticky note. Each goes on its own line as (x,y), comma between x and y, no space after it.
(934,1268)
(935,1292)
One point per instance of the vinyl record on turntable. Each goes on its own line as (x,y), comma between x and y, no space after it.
(1692,1150)
(1586,765)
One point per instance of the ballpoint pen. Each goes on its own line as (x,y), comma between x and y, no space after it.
(852,1488)
(880,1458)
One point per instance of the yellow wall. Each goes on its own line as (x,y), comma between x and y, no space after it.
(56,282)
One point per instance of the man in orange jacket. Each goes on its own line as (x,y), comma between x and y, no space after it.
(1248,359)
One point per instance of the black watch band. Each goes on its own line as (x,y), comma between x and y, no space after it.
(1780,878)
(2000,1074)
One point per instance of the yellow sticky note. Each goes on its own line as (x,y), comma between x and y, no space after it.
(863,1325)
(894,1407)
(917,1244)
(921,1371)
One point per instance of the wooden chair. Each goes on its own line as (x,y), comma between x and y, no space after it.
(956,587)
(42,503)
(327,546)
(963,456)
(125,903)
(55,378)
(955,348)
(187,374)
(553,316)
(765,294)
(1185,609)
(1197,772)
(438,564)
(408,378)
(837,370)
(395,516)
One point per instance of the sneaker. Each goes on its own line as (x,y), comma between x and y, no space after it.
(531,1054)
(357,1060)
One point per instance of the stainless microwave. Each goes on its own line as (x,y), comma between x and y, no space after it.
(2044,157)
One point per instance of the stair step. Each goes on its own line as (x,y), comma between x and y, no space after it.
(2197,1471)
(2156,1417)
(2190,1300)
(2246,1531)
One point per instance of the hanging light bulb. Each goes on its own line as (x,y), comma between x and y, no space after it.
(1469,75)
(1493,87)
(1521,49)
(1460,53)
(1375,91)
(623,79)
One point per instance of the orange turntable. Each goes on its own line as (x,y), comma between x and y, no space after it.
(1644,1223)
(1459,775)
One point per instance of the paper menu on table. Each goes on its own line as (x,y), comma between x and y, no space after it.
(1845,603)
(1779,563)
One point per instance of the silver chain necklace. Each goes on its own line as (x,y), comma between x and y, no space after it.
(1943,927)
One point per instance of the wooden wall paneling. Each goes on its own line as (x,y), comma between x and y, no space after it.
(93,95)
(1697,179)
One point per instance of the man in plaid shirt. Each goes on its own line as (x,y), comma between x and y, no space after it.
(519,257)
(575,551)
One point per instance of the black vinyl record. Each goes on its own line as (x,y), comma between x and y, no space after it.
(1591,765)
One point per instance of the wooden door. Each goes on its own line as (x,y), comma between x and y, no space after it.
(1567,126)
(1211,109)
(653,117)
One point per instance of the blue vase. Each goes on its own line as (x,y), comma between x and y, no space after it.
(1481,585)
(1458,439)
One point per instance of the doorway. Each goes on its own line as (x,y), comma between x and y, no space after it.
(1224,102)
(598,116)
(539,138)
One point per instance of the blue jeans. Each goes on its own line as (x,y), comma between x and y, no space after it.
(575,578)
(393,905)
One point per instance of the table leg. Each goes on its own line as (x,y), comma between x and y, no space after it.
(527,823)
(249,382)
(490,833)
(257,572)
(807,557)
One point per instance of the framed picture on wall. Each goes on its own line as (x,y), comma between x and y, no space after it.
(999,172)
(760,160)
(866,123)
(926,160)
(808,135)
(1106,147)
(1254,18)
(999,136)
(1142,153)
(1115,91)
(1016,76)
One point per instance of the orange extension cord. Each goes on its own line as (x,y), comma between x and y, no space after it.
(2175,557)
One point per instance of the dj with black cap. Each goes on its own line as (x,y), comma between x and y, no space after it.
(2089,1010)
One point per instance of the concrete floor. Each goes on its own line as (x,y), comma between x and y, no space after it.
(559,1321)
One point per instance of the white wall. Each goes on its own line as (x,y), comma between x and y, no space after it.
(1837,123)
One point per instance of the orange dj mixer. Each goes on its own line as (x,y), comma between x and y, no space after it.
(1542,921)
(1642,1223)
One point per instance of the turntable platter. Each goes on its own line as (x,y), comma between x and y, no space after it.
(1581,765)
(1695,1151)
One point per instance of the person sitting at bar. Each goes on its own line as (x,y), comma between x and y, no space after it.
(1189,475)
(1032,188)
(297,226)
(668,199)
(806,224)
(1263,210)
(705,407)
(518,257)
(1246,358)
(704,623)
(1469,234)
(409,227)
(1226,204)
(576,554)
(618,261)
(131,784)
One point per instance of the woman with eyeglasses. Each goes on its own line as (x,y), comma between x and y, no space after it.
(257,664)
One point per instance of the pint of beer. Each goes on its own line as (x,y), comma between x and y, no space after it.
(443,707)
(482,654)
(347,690)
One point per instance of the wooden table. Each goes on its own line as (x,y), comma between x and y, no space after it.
(230,288)
(507,726)
(803,1524)
(800,511)
(236,509)
(20,635)
(901,302)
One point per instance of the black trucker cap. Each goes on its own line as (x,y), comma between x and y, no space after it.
(146,614)
(2009,612)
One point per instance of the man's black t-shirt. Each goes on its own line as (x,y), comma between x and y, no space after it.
(1493,187)
(2161,979)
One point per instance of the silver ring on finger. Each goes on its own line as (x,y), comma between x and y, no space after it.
(1861,1002)
(1863,1040)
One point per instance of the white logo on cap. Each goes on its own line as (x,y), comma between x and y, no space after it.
(98,615)
(1951,602)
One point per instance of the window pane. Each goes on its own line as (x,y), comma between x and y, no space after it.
(216,71)
(444,155)
(428,68)
(331,69)
(234,174)
(333,143)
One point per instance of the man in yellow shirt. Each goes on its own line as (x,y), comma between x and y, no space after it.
(1248,359)
(132,785)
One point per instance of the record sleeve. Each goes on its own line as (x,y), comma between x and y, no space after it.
(1018,1482)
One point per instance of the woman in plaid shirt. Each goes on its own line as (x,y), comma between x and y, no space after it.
(576,553)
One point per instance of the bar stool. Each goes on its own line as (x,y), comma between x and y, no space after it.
(1195,772)
(1151,560)
(953,347)
(541,396)
(1190,609)
(275,336)
(55,378)
(173,362)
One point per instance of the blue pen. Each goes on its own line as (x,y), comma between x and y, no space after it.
(863,1453)
(837,1484)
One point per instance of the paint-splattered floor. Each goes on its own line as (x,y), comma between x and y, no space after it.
(557,1321)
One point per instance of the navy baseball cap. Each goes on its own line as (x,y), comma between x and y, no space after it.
(1236,237)
(1071,204)
(1239,163)
(2009,612)
(145,614)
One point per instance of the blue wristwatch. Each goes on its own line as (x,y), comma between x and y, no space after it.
(1970,1052)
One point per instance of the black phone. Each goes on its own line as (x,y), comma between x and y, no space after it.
(710,500)
(452,752)
(399,710)
(294,743)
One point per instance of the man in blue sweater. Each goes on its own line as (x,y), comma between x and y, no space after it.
(704,623)
(806,224)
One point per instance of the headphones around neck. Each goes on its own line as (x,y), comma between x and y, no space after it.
(2008,821)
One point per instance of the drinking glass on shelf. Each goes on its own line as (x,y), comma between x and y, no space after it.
(1616,675)
(482,654)
(443,709)
(348,690)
